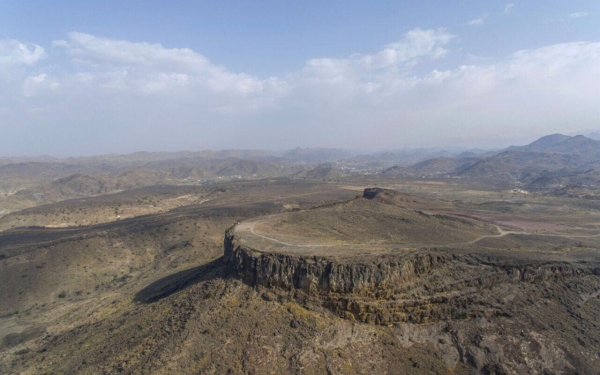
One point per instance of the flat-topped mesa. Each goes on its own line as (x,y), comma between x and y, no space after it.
(419,287)
(379,281)
(354,289)
(323,275)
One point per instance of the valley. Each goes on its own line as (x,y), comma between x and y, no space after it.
(309,273)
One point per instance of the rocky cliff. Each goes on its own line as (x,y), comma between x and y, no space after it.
(323,275)
(421,286)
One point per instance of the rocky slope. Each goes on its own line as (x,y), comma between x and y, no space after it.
(495,311)
(168,303)
(421,286)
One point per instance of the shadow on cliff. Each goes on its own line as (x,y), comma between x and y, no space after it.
(178,281)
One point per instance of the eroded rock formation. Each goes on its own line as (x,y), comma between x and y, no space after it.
(420,286)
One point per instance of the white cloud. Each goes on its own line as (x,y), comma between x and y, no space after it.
(151,68)
(363,80)
(92,50)
(547,89)
(135,96)
(416,44)
(508,8)
(17,57)
(15,53)
(578,15)
(34,84)
(479,21)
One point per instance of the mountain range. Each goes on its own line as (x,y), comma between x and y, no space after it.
(551,162)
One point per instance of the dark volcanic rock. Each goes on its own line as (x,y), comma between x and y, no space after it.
(322,274)
(419,286)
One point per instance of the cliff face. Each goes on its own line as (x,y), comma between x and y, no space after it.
(422,286)
(321,275)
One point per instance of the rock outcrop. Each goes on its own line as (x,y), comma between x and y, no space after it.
(421,286)
(323,275)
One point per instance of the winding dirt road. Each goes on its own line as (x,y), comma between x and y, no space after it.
(248,227)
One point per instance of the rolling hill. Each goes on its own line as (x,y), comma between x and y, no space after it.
(553,161)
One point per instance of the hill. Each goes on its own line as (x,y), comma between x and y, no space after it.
(537,165)
(22,175)
(443,166)
(398,171)
(324,171)
(566,177)
(74,186)
(247,168)
(32,184)
(542,143)
(378,218)
(386,282)
(577,145)
(316,155)
(524,165)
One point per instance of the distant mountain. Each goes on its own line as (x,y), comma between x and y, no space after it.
(168,172)
(28,159)
(542,143)
(316,155)
(325,172)
(540,161)
(386,159)
(78,185)
(576,191)
(114,162)
(561,143)
(23,175)
(399,171)
(550,162)
(589,179)
(475,152)
(436,167)
(138,177)
(524,166)
(74,186)
(443,165)
(248,168)
(578,144)
(190,173)
(595,136)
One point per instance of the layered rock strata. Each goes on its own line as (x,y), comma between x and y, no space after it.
(420,286)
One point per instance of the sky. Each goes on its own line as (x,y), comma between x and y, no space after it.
(97,77)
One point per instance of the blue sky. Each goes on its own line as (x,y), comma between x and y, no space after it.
(121,76)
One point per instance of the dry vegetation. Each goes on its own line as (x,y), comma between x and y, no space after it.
(362,221)
(148,293)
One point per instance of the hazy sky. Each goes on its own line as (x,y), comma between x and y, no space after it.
(91,77)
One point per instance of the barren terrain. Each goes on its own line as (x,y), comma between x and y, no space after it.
(430,276)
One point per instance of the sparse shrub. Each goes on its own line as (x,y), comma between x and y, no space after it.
(62,294)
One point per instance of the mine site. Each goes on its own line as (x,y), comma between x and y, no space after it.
(306,188)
